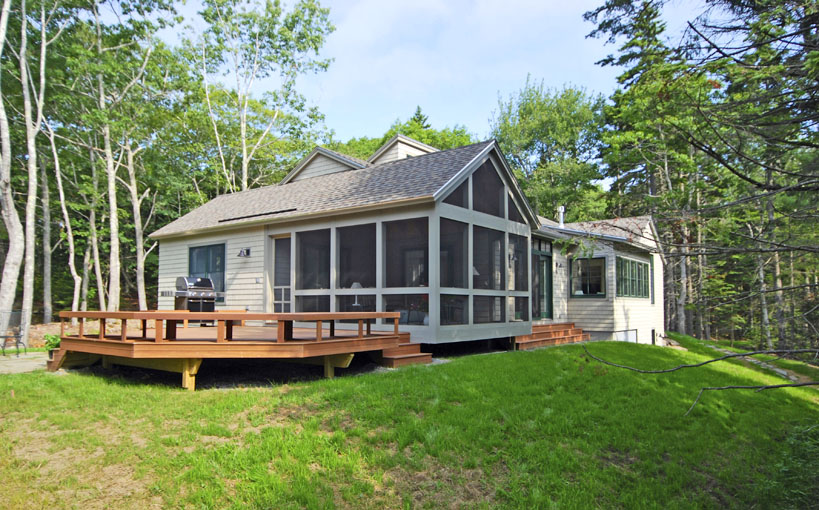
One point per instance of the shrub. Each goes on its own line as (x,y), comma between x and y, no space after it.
(51,341)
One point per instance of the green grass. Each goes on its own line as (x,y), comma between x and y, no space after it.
(809,370)
(540,429)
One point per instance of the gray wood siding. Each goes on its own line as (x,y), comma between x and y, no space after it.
(244,276)
(320,165)
(590,313)
(639,313)
(398,151)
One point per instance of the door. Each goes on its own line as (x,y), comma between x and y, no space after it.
(541,286)
(281,275)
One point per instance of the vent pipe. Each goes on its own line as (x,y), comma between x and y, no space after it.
(560,211)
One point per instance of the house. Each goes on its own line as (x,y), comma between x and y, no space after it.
(445,238)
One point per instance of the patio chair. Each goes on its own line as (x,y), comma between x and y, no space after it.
(13,333)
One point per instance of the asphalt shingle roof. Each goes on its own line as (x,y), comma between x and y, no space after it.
(410,178)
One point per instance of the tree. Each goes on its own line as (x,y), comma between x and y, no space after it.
(551,138)
(249,42)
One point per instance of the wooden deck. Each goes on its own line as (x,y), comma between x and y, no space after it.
(168,346)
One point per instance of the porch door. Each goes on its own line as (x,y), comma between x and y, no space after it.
(541,286)
(281,275)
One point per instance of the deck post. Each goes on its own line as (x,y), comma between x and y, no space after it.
(106,363)
(280,331)
(81,331)
(396,325)
(318,331)
(220,331)
(123,333)
(329,371)
(369,329)
(144,328)
(190,367)
(158,328)
(62,327)
(360,328)
(102,329)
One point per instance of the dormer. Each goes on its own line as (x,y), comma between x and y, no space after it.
(400,147)
(323,161)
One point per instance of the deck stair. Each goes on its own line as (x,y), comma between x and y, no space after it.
(544,335)
(405,354)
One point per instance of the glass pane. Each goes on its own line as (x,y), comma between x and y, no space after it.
(277,294)
(287,294)
(277,308)
(406,252)
(199,261)
(357,303)
(589,277)
(454,310)
(281,269)
(286,308)
(313,303)
(458,196)
(356,256)
(487,256)
(518,263)
(487,190)
(454,245)
(313,259)
(414,308)
(514,214)
(488,309)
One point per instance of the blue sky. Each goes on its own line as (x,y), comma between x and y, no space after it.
(453,58)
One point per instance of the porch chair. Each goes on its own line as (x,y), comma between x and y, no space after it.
(12,335)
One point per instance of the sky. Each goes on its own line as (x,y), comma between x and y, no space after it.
(453,58)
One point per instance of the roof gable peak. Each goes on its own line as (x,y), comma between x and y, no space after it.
(400,147)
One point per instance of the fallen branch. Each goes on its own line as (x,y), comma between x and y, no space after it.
(758,388)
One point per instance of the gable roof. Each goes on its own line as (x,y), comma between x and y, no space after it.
(399,138)
(404,181)
(351,162)
(637,231)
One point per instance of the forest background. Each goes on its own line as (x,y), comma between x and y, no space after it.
(108,133)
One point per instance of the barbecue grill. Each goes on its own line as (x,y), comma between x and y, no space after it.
(194,294)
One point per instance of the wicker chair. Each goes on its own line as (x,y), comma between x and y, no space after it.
(13,332)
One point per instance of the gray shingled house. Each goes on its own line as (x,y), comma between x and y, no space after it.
(446,238)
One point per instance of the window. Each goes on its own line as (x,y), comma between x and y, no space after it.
(458,197)
(518,263)
(488,309)
(633,278)
(454,254)
(454,310)
(406,253)
(487,190)
(313,259)
(541,285)
(487,256)
(209,262)
(513,212)
(414,308)
(356,256)
(588,277)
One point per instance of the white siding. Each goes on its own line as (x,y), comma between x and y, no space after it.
(320,165)
(639,313)
(560,286)
(244,276)
(398,151)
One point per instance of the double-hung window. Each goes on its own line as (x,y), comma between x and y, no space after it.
(588,277)
(208,262)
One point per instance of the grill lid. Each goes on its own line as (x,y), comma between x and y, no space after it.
(193,283)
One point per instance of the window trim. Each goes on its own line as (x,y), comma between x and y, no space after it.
(624,286)
(219,299)
(604,295)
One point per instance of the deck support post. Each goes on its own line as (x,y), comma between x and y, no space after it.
(106,363)
(190,367)
(329,370)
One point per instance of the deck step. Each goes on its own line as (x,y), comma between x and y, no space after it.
(403,348)
(550,334)
(56,360)
(407,359)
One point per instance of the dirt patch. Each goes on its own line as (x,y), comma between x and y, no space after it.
(440,486)
(619,459)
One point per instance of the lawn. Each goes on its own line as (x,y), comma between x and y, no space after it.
(539,429)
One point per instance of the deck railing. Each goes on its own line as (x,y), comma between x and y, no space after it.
(166,322)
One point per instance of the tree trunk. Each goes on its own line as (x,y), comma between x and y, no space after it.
(11,219)
(763,302)
(86,270)
(139,239)
(46,207)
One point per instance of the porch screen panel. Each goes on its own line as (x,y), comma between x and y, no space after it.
(313,303)
(413,308)
(454,310)
(356,254)
(313,259)
(406,253)
(459,196)
(488,258)
(513,212)
(518,263)
(488,309)
(487,190)
(454,255)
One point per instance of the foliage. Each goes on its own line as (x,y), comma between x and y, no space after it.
(552,139)
(416,127)
(52,342)
(543,425)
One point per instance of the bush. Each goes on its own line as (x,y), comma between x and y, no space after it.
(51,341)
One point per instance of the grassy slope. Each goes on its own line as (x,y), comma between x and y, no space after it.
(524,429)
